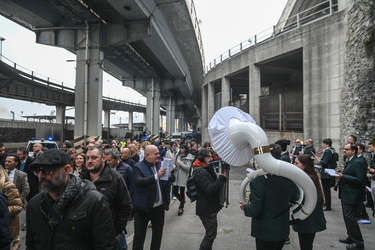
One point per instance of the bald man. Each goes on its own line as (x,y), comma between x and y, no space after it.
(151,198)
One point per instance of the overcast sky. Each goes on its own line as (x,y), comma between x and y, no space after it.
(223,25)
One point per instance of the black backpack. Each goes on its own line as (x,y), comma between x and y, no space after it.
(191,188)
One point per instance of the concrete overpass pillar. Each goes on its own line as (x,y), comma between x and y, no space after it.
(204,128)
(60,119)
(107,118)
(210,106)
(225,91)
(170,116)
(153,108)
(130,123)
(89,88)
(181,121)
(60,114)
(107,122)
(254,92)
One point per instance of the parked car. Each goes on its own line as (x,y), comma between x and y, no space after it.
(45,144)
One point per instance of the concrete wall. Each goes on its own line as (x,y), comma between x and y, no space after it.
(323,46)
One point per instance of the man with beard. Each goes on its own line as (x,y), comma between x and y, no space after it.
(68,213)
(110,183)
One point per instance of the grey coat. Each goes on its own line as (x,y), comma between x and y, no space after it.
(182,169)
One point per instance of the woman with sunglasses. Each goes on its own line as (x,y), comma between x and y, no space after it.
(316,222)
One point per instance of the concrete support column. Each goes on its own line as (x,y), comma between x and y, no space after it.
(107,122)
(107,118)
(181,121)
(254,92)
(225,92)
(153,107)
(89,88)
(60,119)
(204,129)
(170,120)
(211,100)
(60,114)
(130,123)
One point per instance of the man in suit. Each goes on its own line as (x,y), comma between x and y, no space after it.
(151,198)
(37,149)
(298,147)
(19,178)
(352,193)
(24,166)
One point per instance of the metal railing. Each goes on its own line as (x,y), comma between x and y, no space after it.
(45,80)
(322,10)
(194,18)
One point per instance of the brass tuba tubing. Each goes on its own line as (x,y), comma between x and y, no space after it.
(243,134)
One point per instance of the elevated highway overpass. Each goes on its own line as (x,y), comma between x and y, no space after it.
(151,46)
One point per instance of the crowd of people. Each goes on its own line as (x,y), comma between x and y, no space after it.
(83,198)
(353,177)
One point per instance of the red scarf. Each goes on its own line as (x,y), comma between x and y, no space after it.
(198,163)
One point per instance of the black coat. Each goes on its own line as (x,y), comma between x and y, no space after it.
(31,178)
(88,215)
(112,185)
(208,185)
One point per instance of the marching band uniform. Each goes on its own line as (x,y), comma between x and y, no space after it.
(329,162)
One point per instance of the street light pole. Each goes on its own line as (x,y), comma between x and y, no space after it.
(1,47)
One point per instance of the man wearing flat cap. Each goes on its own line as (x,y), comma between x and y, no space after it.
(68,213)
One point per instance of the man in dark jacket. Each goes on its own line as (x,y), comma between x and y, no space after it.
(68,213)
(110,183)
(269,207)
(23,154)
(352,194)
(327,161)
(151,198)
(208,202)
(284,152)
(125,157)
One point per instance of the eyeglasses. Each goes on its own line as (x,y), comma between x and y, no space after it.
(45,171)
(298,142)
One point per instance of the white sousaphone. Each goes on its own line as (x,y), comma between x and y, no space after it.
(237,139)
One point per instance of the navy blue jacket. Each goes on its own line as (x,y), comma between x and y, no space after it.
(146,188)
(127,172)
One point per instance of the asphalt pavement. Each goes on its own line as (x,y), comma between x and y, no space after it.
(186,231)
